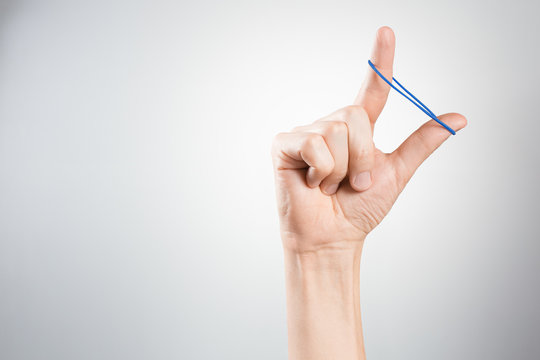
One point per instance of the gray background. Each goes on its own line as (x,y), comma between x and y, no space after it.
(137,215)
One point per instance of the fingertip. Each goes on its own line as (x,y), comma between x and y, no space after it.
(454,120)
(382,54)
(462,122)
(311,179)
(361,181)
(330,189)
(386,36)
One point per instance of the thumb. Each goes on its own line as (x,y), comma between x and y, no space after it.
(422,143)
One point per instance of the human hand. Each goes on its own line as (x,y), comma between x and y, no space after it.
(333,186)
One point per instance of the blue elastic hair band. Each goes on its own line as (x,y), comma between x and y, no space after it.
(416,102)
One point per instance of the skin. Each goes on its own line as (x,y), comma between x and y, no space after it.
(333,187)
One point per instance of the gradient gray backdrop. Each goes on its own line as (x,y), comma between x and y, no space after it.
(137,215)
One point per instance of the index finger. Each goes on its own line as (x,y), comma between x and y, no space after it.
(374,91)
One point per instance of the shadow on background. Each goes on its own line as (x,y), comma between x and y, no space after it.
(7,9)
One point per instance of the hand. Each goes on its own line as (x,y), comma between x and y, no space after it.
(333,185)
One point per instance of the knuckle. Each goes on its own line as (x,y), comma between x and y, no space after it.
(352,111)
(326,167)
(277,138)
(336,128)
(362,159)
(362,153)
(276,142)
(423,139)
(340,173)
(313,140)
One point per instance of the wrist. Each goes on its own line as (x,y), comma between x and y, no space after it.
(323,306)
(311,276)
(336,256)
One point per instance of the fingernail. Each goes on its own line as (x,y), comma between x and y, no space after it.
(331,189)
(362,181)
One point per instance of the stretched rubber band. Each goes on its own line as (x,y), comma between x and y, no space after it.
(416,102)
